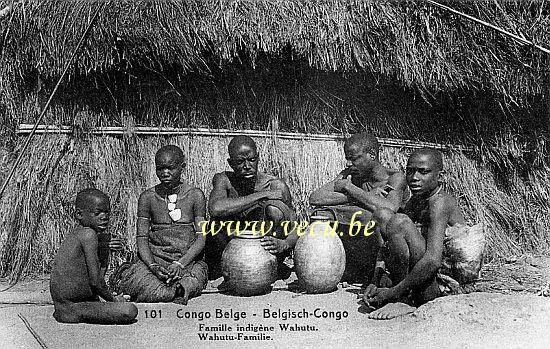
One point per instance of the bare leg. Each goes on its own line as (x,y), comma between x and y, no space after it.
(107,313)
(427,293)
(405,247)
(382,217)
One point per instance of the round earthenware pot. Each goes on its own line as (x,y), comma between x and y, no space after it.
(319,258)
(248,269)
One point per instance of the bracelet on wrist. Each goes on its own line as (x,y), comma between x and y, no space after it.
(152,265)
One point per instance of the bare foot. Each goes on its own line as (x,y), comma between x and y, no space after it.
(180,300)
(223,286)
(181,295)
(391,310)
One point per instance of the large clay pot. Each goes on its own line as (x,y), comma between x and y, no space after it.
(319,258)
(361,251)
(248,269)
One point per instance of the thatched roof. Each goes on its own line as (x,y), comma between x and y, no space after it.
(421,46)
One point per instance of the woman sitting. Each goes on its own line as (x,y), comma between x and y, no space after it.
(170,266)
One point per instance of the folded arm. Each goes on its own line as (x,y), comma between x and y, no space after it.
(389,196)
(221,205)
(327,195)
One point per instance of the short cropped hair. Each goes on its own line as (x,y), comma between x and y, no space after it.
(434,155)
(366,140)
(237,141)
(84,197)
(173,150)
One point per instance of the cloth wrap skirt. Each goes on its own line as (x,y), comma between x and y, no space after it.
(168,243)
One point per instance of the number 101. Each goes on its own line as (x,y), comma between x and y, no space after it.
(153,314)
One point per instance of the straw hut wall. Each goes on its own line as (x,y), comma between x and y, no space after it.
(399,69)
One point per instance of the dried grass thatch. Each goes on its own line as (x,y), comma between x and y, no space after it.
(399,69)
(37,212)
(421,46)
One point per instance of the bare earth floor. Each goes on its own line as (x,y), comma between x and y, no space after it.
(505,312)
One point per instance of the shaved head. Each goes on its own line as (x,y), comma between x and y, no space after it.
(85,198)
(365,141)
(172,151)
(239,141)
(434,156)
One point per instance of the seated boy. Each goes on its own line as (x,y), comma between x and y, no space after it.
(76,281)
(170,266)
(414,239)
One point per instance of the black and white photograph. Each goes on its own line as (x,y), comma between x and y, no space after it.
(274,174)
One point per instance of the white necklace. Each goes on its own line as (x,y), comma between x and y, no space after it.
(173,212)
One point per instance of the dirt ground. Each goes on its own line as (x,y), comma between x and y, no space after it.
(504,311)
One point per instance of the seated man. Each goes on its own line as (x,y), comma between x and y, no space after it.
(414,255)
(248,195)
(170,266)
(76,281)
(367,187)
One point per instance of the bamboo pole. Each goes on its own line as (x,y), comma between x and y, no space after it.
(27,142)
(547,100)
(206,132)
(494,27)
(33,332)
